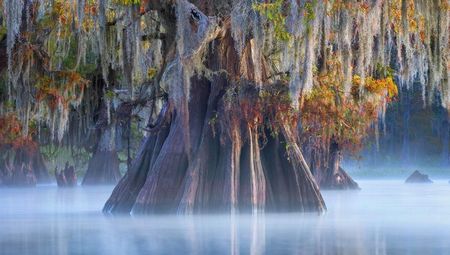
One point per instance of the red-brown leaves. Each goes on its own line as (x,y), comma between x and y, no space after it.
(11,136)
(63,90)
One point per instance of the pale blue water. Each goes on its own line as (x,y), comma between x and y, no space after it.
(385,217)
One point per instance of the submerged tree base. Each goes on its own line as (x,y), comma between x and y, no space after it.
(23,167)
(103,169)
(228,171)
(341,180)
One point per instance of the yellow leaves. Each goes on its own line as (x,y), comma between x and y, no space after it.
(445,5)
(66,14)
(375,86)
(327,111)
(351,6)
(64,10)
(411,13)
(421,28)
(396,14)
(356,80)
(412,19)
(128,2)
(365,7)
(391,87)
(379,87)
(151,73)
(412,25)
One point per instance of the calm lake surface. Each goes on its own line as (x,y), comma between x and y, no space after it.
(385,217)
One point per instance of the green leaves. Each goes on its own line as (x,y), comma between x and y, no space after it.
(382,72)
(310,15)
(3,32)
(128,2)
(274,14)
(151,73)
(309,11)
(109,94)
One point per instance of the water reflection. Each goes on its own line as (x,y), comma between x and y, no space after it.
(383,218)
(234,236)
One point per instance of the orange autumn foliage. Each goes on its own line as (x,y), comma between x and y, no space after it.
(11,135)
(329,114)
(375,86)
(65,88)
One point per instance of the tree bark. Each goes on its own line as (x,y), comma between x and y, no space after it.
(39,168)
(208,155)
(111,127)
(103,167)
(228,169)
(307,191)
(329,173)
(125,193)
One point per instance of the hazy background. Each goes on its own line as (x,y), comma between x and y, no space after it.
(414,136)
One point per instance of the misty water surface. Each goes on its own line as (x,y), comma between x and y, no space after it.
(385,217)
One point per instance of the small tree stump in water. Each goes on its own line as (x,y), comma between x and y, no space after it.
(327,169)
(344,181)
(66,177)
(418,177)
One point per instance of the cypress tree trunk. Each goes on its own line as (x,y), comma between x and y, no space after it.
(209,149)
(110,129)
(103,167)
(329,173)
(39,168)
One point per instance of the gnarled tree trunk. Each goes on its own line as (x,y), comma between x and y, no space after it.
(210,149)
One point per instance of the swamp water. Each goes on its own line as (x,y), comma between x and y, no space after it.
(385,217)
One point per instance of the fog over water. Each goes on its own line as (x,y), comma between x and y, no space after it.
(385,217)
